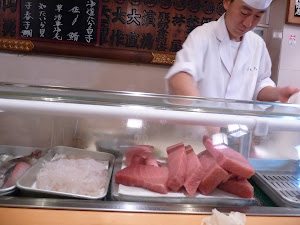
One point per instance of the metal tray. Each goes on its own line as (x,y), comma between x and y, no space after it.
(279,179)
(115,145)
(27,182)
(17,150)
(218,197)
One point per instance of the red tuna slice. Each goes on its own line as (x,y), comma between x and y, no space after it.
(241,188)
(16,174)
(229,159)
(141,154)
(232,176)
(194,171)
(177,166)
(137,159)
(148,177)
(213,173)
(145,158)
(136,150)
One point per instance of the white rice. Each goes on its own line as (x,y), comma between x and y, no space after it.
(84,176)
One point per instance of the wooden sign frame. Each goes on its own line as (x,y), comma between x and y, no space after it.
(175,21)
(291,11)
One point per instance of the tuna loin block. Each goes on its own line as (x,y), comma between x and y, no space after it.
(140,154)
(148,177)
(194,171)
(241,188)
(177,166)
(214,174)
(230,160)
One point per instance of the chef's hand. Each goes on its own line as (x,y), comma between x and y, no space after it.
(273,94)
(286,92)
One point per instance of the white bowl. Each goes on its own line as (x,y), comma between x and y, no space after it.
(295,98)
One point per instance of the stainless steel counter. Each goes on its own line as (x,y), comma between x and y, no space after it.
(115,206)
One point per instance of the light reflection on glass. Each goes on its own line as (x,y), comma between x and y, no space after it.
(134,123)
(138,94)
(220,140)
(261,153)
(298,151)
(289,118)
(135,107)
(237,130)
(197,110)
(52,99)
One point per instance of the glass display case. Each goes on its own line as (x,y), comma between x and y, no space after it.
(267,135)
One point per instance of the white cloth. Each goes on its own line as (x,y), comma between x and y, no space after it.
(258,4)
(205,57)
(295,98)
(218,218)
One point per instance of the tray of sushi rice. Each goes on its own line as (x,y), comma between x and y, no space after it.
(70,172)
(14,162)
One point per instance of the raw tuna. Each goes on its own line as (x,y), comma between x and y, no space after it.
(241,188)
(213,173)
(148,177)
(194,171)
(229,159)
(232,176)
(141,154)
(16,174)
(177,166)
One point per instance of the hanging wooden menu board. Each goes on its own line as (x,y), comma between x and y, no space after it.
(148,31)
(73,21)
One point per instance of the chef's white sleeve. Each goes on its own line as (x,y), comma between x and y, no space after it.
(185,60)
(264,79)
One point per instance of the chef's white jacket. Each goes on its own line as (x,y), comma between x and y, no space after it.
(205,56)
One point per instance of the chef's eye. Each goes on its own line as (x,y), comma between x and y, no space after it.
(244,13)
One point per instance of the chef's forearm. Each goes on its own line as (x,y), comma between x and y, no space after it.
(272,94)
(183,84)
(269,94)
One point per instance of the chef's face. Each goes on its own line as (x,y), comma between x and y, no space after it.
(240,18)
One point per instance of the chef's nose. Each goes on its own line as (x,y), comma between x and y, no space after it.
(248,21)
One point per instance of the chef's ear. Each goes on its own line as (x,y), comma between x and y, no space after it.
(226,4)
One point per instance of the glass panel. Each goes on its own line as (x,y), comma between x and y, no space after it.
(113,121)
(157,101)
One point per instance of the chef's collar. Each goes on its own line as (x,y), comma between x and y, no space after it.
(258,4)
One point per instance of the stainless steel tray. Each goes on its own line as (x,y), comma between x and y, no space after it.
(17,150)
(279,179)
(136,194)
(27,182)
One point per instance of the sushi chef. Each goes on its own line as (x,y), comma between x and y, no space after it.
(225,59)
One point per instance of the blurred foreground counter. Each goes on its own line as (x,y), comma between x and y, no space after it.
(13,216)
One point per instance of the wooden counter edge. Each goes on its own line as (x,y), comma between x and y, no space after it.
(16,216)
